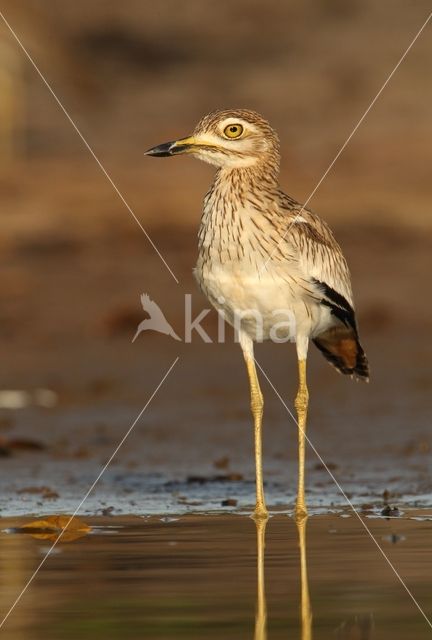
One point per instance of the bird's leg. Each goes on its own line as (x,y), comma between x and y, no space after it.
(301,405)
(257,404)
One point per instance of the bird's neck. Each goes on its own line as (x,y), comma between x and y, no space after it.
(236,196)
(234,189)
(240,180)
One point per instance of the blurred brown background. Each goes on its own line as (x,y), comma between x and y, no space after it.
(74,262)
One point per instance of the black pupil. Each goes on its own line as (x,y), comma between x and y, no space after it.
(233,129)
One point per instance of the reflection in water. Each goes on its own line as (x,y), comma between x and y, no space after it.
(261,606)
(360,628)
(197,575)
(305,605)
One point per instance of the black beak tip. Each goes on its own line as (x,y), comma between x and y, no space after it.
(161,151)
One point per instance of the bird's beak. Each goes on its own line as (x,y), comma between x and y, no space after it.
(184,145)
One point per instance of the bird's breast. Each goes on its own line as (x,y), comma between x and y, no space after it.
(238,284)
(234,272)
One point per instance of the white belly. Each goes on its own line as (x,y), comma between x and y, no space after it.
(264,304)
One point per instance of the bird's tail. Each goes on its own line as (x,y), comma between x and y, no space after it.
(341,346)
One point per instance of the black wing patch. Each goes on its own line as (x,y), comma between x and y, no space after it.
(339,306)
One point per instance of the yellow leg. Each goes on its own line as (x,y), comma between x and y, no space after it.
(305,604)
(261,607)
(257,404)
(301,405)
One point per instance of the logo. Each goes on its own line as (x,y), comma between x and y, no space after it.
(156,321)
(278,325)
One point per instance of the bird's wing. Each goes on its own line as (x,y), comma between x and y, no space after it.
(151,307)
(320,262)
(319,257)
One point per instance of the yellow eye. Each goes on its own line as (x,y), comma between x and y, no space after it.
(233,130)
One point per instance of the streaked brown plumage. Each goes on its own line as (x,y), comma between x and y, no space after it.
(262,253)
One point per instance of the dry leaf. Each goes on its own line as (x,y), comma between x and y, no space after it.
(51,527)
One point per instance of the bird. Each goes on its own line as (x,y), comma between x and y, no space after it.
(156,321)
(261,253)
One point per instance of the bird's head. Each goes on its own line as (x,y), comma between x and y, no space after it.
(228,139)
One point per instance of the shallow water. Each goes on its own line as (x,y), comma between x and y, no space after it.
(209,576)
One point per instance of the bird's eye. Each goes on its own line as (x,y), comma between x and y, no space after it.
(233,131)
